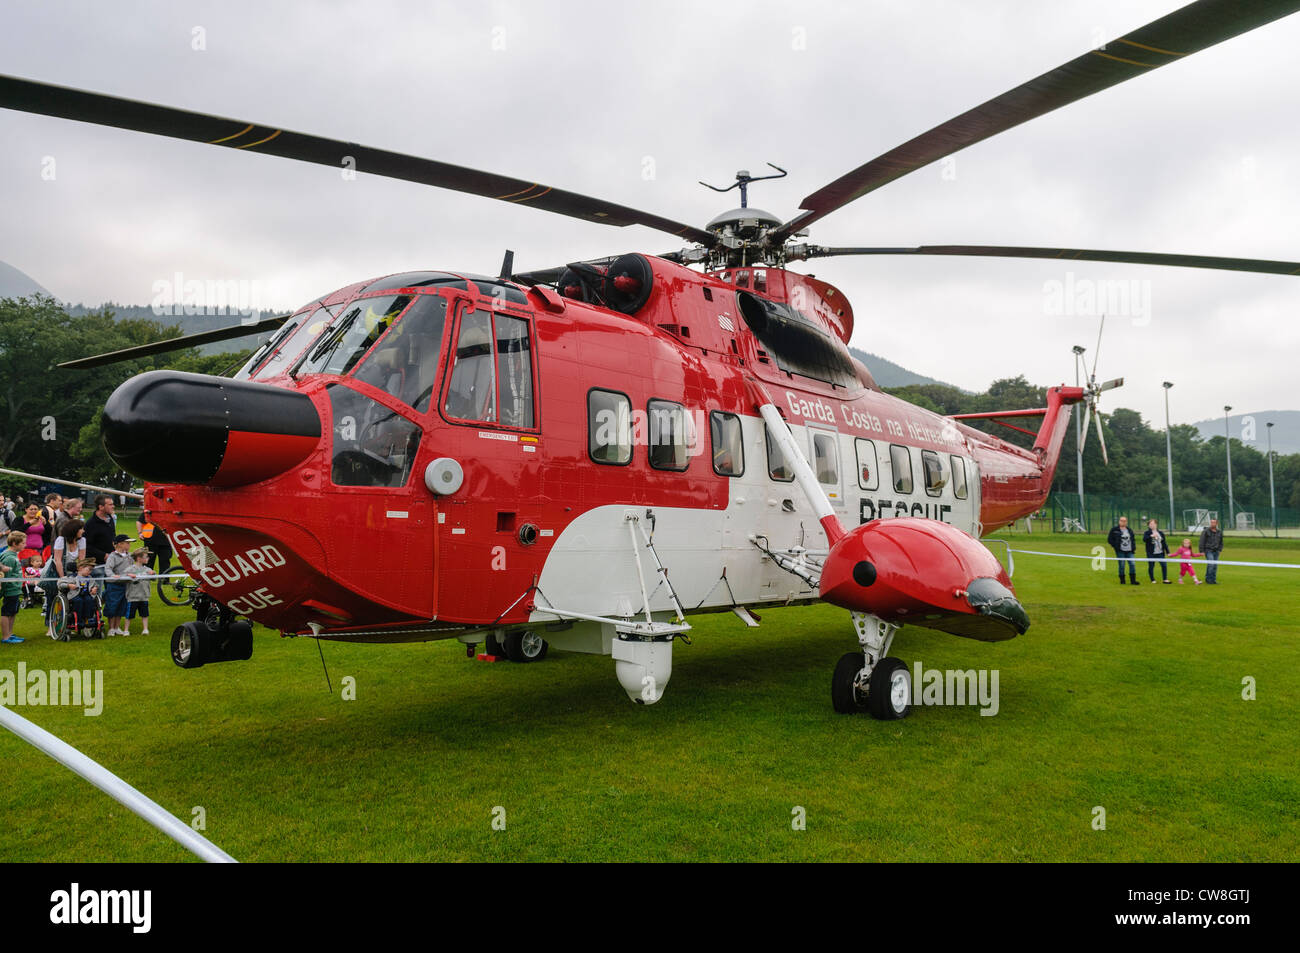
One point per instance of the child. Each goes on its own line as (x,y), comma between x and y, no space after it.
(11,590)
(31,590)
(117,564)
(137,591)
(81,589)
(1185,553)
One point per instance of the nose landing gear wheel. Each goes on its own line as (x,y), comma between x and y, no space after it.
(889,694)
(886,694)
(846,696)
(526,646)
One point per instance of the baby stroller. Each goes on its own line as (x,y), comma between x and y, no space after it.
(77,614)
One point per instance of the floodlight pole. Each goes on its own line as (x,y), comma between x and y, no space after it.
(1169,456)
(1272,499)
(1227,443)
(1078,438)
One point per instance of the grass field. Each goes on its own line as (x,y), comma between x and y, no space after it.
(1125,698)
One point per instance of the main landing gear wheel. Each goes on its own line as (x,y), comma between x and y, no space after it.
(492,647)
(846,695)
(188,644)
(526,646)
(889,693)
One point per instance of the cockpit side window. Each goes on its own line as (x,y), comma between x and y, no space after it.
(515,371)
(492,375)
(471,395)
(373,445)
(405,361)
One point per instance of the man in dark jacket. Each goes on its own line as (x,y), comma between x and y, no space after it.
(1157,549)
(1123,541)
(1211,546)
(100,529)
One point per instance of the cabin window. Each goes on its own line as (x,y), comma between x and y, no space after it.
(667,427)
(868,478)
(352,334)
(778,467)
(958,477)
(900,461)
(825,460)
(728,444)
(405,361)
(609,427)
(935,477)
(373,445)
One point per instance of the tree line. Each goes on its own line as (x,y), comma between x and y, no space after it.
(49,416)
(1137,451)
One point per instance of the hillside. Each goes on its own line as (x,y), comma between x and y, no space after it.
(1286,429)
(18,284)
(889,374)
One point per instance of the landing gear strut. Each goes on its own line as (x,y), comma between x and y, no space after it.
(869,679)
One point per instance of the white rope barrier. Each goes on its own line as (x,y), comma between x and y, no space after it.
(1166,559)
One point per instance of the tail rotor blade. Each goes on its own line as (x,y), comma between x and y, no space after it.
(1087,418)
(1102,439)
(1111,385)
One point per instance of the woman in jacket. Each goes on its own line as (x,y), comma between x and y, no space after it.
(1157,551)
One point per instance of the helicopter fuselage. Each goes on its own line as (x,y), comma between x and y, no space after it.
(481,448)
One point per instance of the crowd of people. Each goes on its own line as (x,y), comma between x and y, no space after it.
(1124,542)
(59,546)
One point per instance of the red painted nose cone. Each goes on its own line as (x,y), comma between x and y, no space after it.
(923,572)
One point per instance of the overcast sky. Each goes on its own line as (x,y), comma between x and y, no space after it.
(1196,157)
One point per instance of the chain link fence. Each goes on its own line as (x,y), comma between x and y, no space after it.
(1062,514)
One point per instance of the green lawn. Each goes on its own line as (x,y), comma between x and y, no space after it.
(1125,698)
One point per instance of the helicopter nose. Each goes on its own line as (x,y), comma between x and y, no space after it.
(174,427)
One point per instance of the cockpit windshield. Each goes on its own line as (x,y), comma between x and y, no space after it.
(405,363)
(352,334)
(287,346)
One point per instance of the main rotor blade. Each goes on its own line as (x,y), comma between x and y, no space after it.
(1188,30)
(1096,354)
(178,344)
(1258,265)
(64,103)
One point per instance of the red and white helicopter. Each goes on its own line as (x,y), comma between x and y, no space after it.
(586,456)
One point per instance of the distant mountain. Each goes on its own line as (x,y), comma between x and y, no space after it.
(889,374)
(1250,429)
(16,284)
